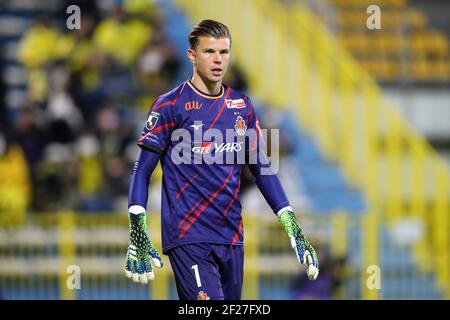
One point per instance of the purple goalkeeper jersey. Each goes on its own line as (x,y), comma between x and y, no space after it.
(200,197)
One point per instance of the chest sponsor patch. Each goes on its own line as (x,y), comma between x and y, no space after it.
(192,105)
(235,103)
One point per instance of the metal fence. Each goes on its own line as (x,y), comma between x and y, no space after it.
(69,255)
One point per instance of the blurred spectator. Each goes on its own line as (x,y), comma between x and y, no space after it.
(29,134)
(55,187)
(3,115)
(43,44)
(14,182)
(88,90)
(235,78)
(60,105)
(122,36)
(90,174)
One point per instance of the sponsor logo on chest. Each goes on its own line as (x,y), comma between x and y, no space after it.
(192,105)
(204,148)
(207,147)
(235,103)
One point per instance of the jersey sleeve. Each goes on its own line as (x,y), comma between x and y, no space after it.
(255,142)
(159,126)
(257,158)
(255,135)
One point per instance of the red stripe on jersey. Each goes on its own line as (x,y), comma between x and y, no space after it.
(168,103)
(221,109)
(205,205)
(214,102)
(231,203)
(186,185)
(250,113)
(164,127)
(158,129)
(186,216)
(238,233)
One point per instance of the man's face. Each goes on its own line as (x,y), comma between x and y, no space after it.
(210,58)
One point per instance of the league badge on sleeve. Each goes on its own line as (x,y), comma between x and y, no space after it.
(152,120)
(240,126)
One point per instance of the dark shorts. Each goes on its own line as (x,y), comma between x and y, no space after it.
(208,271)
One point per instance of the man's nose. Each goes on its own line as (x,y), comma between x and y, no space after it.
(217,58)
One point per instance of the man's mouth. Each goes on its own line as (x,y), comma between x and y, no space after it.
(216,71)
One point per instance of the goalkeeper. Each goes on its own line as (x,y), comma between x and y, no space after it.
(201,221)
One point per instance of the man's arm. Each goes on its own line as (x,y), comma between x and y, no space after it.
(144,165)
(271,189)
(140,249)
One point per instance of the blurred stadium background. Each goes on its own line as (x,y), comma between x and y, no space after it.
(364,126)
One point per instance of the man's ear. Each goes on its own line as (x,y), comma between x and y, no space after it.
(191,55)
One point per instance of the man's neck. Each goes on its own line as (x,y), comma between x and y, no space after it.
(212,88)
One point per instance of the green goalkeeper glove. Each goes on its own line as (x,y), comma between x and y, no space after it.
(303,249)
(138,266)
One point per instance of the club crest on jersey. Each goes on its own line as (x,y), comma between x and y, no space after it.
(235,103)
(240,126)
(202,296)
(152,120)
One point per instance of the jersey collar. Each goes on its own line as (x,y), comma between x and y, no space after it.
(205,95)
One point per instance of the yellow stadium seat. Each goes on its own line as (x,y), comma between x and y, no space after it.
(420,70)
(394,44)
(389,70)
(441,44)
(441,69)
(415,19)
(428,49)
(418,44)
